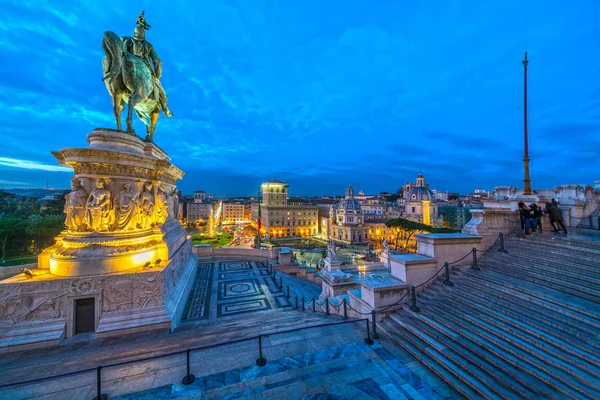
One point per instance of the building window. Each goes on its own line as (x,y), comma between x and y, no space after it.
(413,209)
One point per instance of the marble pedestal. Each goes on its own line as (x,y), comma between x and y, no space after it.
(334,281)
(138,276)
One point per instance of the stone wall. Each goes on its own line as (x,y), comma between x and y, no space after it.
(233,253)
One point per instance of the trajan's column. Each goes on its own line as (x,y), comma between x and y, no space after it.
(123,262)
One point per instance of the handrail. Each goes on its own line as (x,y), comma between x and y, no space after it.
(348,321)
(412,290)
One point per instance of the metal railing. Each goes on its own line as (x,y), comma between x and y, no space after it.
(342,307)
(189,377)
(412,290)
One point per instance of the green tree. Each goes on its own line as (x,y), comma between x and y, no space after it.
(407,228)
(44,230)
(11,227)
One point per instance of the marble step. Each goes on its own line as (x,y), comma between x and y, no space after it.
(559,242)
(541,294)
(498,372)
(527,311)
(504,349)
(454,374)
(590,269)
(550,261)
(122,321)
(574,289)
(547,342)
(550,253)
(539,325)
(555,273)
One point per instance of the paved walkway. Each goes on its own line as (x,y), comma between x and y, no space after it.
(225,288)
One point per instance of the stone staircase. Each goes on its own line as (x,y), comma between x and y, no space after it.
(302,364)
(526,326)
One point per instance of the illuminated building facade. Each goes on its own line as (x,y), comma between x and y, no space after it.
(234,213)
(198,212)
(347,220)
(421,204)
(280,219)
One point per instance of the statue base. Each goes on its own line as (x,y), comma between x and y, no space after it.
(116,280)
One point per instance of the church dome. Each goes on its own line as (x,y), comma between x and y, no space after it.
(349,204)
(420,193)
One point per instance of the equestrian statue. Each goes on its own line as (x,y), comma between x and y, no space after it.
(132,71)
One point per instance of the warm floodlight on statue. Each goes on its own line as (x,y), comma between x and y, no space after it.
(147,265)
(157,262)
(27,272)
(132,72)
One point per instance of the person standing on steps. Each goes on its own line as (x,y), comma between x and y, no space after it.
(539,213)
(555,216)
(526,218)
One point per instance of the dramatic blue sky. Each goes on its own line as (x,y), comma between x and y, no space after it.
(317,93)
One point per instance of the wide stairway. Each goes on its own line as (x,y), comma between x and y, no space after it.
(524,326)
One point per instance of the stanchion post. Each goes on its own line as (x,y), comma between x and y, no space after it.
(447,275)
(296,302)
(260,361)
(288,292)
(280,282)
(99,395)
(314,305)
(327,305)
(374,323)
(188,378)
(345,310)
(368,340)
(474,264)
(413,300)
(502,249)
(303,308)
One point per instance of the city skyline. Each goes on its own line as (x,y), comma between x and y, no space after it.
(317,95)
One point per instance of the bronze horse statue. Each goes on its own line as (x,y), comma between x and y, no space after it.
(130,81)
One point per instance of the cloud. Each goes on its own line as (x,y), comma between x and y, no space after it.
(26,164)
(317,94)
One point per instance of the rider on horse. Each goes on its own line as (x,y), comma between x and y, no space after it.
(138,46)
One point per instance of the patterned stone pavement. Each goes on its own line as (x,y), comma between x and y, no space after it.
(227,288)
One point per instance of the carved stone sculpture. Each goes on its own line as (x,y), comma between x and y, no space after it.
(75,207)
(145,214)
(175,210)
(132,72)
(98,213)
(127,205)
(331,254)
(162,208)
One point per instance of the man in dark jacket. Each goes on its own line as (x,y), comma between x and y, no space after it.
(555,216)
(527,216)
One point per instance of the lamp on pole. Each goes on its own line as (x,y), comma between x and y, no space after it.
(526,181)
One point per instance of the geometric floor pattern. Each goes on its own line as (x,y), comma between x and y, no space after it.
(225,288)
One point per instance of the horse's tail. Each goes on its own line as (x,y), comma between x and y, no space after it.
(113,48)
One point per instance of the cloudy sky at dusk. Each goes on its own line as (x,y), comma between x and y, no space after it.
(317,93)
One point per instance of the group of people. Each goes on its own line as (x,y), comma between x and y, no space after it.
(531,217)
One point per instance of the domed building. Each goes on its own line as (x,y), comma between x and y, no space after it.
(347,219)
(421,204)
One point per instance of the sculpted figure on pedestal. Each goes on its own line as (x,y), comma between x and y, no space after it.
(127,205)
(145,218)
(75,207)
(162,208)
(132,72)
(175,211)
(98,212)
(331,254)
